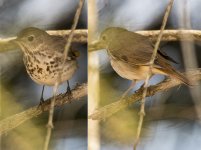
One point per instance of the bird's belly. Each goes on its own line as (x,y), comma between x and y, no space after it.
(129,72)
(42,74)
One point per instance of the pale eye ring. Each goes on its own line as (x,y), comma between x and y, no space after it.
(30,38)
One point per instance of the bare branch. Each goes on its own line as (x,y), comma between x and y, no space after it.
(80,36)
(14,121)
(156,47)
(108,110)
(173,35)
(65,54)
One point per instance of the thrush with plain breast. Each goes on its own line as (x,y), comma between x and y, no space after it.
(130,54)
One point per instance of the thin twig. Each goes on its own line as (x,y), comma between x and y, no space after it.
(156,47)
(14,121)
(107,111)
(65,54)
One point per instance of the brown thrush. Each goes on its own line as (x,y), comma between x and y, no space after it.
(43,57)
(130,54)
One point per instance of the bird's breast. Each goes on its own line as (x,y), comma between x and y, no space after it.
(127,71)
(44,70)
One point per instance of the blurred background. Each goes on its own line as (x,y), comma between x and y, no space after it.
(18,92)
(172,121)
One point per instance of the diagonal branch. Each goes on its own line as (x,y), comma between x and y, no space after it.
(14,121)
(108,110)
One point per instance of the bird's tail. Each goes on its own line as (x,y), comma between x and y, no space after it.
(76,53)
(175,74)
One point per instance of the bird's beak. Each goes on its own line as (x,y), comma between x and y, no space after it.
(95,46)
(7,45)
(19,43)
(16,42)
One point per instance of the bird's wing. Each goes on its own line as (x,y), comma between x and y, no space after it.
(57,44)
(137,50)
(164,55)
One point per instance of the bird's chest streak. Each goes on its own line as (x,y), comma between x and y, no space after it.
(44,69)
(36,64)
(40,67)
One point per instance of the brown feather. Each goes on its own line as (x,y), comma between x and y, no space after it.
(136,50)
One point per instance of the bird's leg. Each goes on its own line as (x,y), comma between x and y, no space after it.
(130,88)
(141,87)
(41,98)
(68,91)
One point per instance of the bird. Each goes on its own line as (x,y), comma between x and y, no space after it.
(43,57)
(130,54)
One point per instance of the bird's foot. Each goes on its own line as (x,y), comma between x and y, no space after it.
(41,104)
(69,94)
(141,113)
(123,97)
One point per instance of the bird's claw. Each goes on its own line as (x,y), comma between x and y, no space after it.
(41,104)
(69,94)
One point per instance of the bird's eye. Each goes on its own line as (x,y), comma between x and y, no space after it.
(30,38)
(103,37)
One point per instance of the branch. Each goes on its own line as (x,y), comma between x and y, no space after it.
(170,35)
(65,54)
(109,110)
(151,62)
(80,36)
(173,35)
(14,121)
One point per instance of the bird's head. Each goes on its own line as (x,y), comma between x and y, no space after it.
(30,39)
(106,37)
